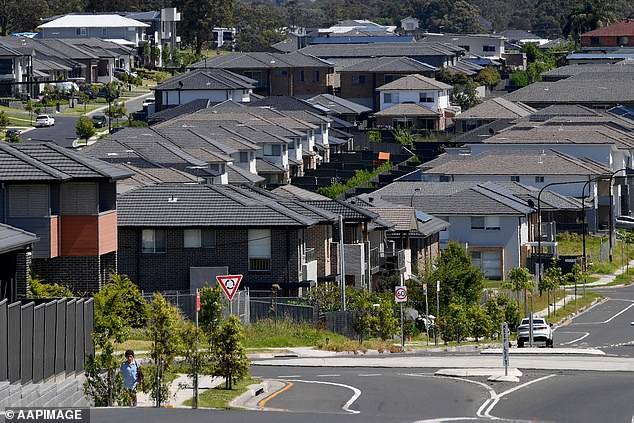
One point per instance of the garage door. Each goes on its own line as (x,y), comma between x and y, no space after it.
(492,264)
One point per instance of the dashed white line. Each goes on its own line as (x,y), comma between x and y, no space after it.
(289,376)
(328,375)
(346,406)
(369,374)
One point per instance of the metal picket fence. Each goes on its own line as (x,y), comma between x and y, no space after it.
(282,308)
(43,338)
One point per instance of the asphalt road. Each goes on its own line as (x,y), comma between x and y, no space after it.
(607,326)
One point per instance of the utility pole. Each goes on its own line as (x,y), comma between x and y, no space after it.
(342,264)
(437,312)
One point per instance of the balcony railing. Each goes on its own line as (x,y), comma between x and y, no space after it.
(375,261)
(548,232)
(310,255)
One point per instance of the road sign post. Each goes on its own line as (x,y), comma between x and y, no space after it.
(437,312)
(229,284)
(400,296)
(427,319)
(195,369)
(505,348)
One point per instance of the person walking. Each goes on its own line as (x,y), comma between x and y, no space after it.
(132,375)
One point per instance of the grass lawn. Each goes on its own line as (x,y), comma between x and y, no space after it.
(80,110)
(571,244)
(623,279)
(268,334)
(573,306)
(219,397)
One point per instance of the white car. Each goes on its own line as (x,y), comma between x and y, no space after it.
(542,332)
(44,120)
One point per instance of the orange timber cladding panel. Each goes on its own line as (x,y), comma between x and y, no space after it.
(54,236)
(88,235)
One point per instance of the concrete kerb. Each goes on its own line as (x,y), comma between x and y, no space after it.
(256,393)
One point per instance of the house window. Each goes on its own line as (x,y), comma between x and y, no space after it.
(259,249)
(389,78)
(539,179)
(490,223)
(390,98)
(153,241)
(199,238)
(402,122)
(515,178)
(28,201)
(281,73)
(595,40)
(244,157)
(301,75)
(425,98)
(622,41)
(291,145)
(104,32)
(316,76)
(489,47)
(257,75)
(80,31)
(272,150)
(358,79)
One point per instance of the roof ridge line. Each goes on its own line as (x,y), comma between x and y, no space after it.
(34,162)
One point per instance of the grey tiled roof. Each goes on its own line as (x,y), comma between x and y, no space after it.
(12,239)
(47,161)
(178,205)
(549,200)
(516,162)
(349,212)
(263,60)
(417,49)
(207,79)
(407,109)
(415,82)
(264,166)
(496,108)
(183,109)
(454,198)
(571,70)
(389,64)
(403,218)
(339,105)
(291,191)
(238,175)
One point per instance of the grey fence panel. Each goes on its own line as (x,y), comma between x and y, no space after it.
(38,342)
(60,337)
(267,310)
(50,319)
(79,336)
(89,325)
(26,343)
(70,337)
(14,356)
(341,322)
(4,341)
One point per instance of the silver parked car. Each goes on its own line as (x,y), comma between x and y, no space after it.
(624,222)
(542,332)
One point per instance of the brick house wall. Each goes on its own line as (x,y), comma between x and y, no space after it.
(23,263)
(81,274)
(170,270)
(312,83)
(319,238)
(606,41)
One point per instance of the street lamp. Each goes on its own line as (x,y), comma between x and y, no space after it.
(628,171)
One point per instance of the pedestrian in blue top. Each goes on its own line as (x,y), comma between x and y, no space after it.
(132,376)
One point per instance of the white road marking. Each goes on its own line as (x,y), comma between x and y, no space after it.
(613,317)
(369,374)
(493,403)
(619,313)
(576,340)
(346,406)
(289,376)
(328,375)
(451,419)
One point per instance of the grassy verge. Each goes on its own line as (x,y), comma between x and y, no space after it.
(285,333)
(80,110)
(573,306)
(219,397)
(572,244)
(623,279)
(354,346)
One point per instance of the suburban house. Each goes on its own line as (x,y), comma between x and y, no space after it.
(14,67)
(179,237)
(359,82)
(15,248)
(611,37)
(484,45)
(409,24)
(489,111)
(487,219)
(122,30)
(407,101)
(564,72)
(340,108)
(214,85)
(293,74)
(68,201)
(519,37)
(160,32)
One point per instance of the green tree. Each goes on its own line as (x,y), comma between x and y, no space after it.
(116,111)
(85,129)
(552,279)
(230,359)
(146,54)
(520,280)
(326,296)
(28,106)
(258,25)
(211,304)
(512,314)
(453,324)
(166,55)
(163,329)
(385,323)
(575,276)
(489,77)
(479,321)
(519,79)
(496,314)
(4,120)
(199,17)
(361,303)
(465,95)
(404,136)
(587,16)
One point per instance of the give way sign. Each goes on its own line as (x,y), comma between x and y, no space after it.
(400,294)
(229,284)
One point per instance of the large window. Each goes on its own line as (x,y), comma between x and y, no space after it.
(358,79)
(272,150)
(244,156)
(153,241)
(425,98)
(28,201)
(490,223)
(390,98)
(489,47)
(199,238)
(316,76)
(259,249)
(539,179)
(515,178)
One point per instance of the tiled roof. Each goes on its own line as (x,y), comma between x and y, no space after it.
(35,161)
(415,82)
(389,64)
(623,28)
(403,218)
(549,200)
(179,205)
(519,34)
(264,166)
(207,79)
(454,198)
(93,21)
(407,109)
(339,105)
(349,212)
(12,239)
(626,66)
(238,175)
(418,49)
(496,108)
(517,162)
(285,103)
(262,60)
(183,109)
(291,191)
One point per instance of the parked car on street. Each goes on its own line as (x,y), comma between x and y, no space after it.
(120,71)
(542,332)
(44,120)
(624,222)
(11,132)
(99,121)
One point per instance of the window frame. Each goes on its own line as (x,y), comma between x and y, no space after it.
(259,262)
(154,250)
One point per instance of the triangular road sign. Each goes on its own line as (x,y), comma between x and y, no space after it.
(229,284)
